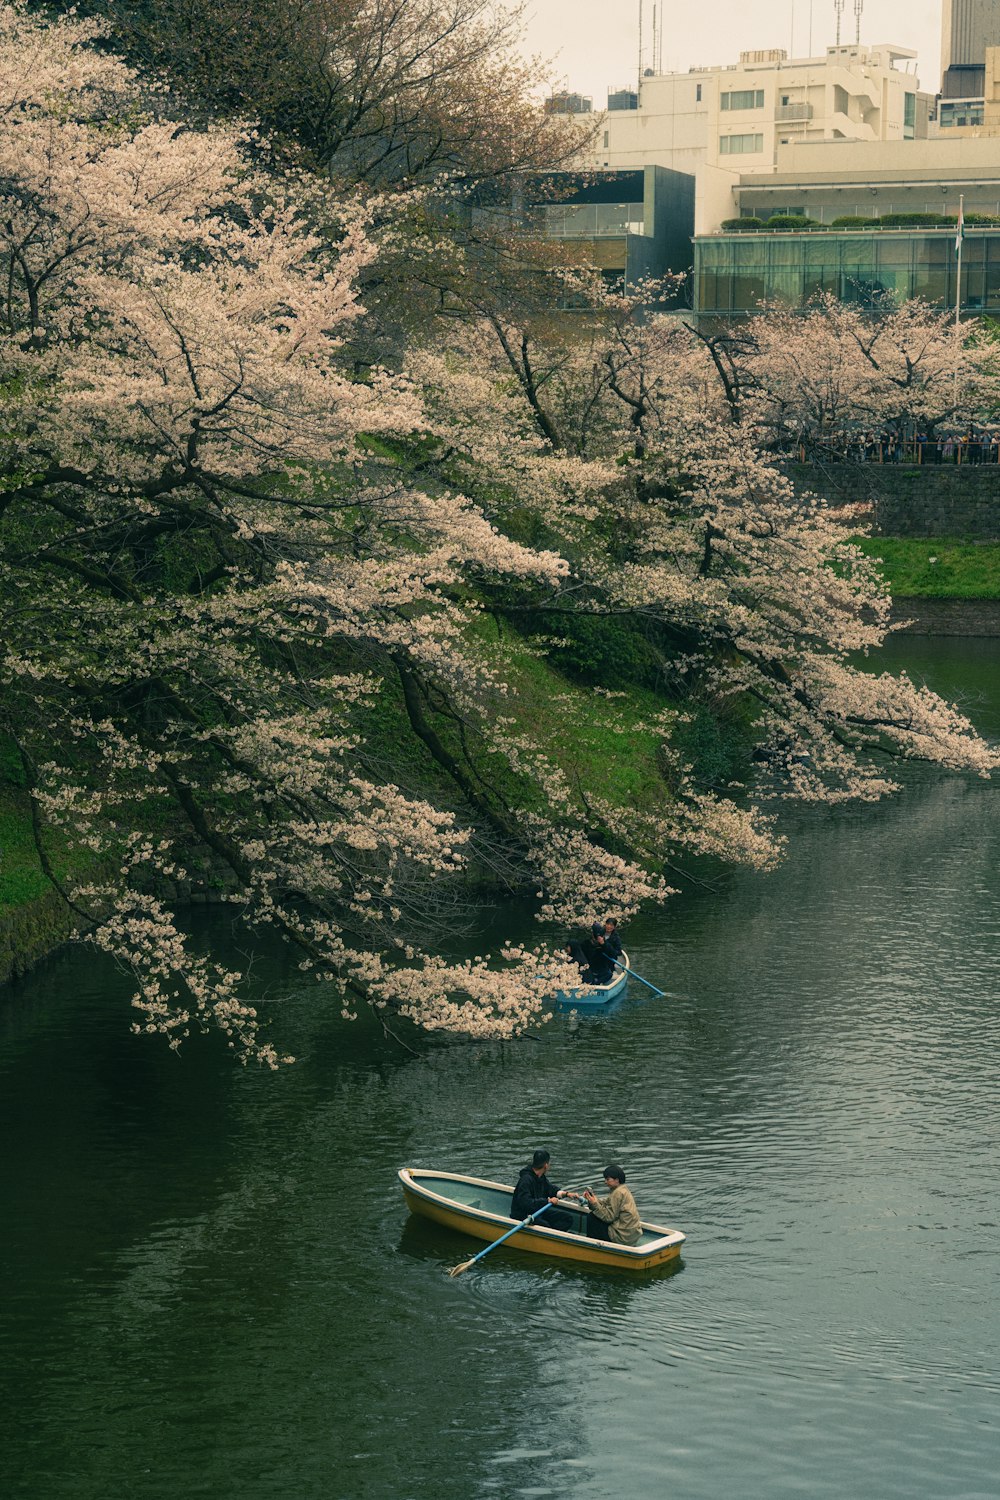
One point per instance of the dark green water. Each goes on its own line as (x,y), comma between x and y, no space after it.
(210,1286)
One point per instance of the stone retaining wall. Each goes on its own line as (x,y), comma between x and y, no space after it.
(969,617)
(932,500)
(31,932)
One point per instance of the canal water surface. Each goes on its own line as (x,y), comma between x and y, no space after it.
(211,1287)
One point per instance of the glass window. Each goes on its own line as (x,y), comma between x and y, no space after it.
(991,284)
(697,93)
(740,145)
(786,252)
(909,115)
(748,291)
(713,291)
(742,99)
(750,253)
(818,279)
(713,253)
(960,112)
(817,252)
(932,283)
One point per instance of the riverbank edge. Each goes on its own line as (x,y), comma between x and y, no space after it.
(37,928)
(947,617)
(30,933)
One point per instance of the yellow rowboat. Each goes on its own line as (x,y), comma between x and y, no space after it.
(482,1209)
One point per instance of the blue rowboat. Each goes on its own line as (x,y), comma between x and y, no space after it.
(594,996)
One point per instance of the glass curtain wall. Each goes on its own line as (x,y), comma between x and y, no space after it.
(735,273)
(588,220)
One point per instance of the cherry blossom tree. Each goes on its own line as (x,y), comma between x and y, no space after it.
(761,593)
(821,376)
(373,92)
(248,577)
(208,573)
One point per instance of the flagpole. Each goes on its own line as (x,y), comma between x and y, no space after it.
(958,248)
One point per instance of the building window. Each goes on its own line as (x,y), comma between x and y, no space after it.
(606,134)
(909,115)
(740,145)
(742,99)
(961,112)
(697,93)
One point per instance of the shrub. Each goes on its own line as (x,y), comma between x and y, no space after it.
(925,219)
(748,222)
(596,649)
(791,221)
(852,221)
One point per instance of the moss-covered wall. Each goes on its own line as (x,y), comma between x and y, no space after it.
(30,931)
(931,500)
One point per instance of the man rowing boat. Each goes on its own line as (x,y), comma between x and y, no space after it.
(606,950)
(533,1189)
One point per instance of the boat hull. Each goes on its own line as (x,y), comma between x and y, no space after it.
(426,1194)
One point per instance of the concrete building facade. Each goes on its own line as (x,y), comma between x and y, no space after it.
(739,115)
(629,224)
(845,142)
(968,27)
(857,261)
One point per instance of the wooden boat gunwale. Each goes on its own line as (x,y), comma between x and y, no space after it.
(562,1244)
(596,994)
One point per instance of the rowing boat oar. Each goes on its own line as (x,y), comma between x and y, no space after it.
(467,1264)
(661,993)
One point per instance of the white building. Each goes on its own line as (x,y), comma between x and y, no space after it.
(720,123)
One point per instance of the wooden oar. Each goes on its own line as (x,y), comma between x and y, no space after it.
(661,993)
(456,1271)
(467,1264)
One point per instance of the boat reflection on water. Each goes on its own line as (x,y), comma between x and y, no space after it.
(573,1017)
(422,1240)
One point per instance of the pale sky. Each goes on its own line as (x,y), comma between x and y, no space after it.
(595,43)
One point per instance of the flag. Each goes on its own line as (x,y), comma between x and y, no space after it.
(960,236)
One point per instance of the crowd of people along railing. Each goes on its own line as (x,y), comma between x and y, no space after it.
(972,446)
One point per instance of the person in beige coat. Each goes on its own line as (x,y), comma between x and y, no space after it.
(616,1216)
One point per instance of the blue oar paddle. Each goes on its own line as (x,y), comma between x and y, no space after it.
(466,1264)
(634,975)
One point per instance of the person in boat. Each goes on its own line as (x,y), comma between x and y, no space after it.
(574,952)
(606,952)
(616,1216)
(533,1189)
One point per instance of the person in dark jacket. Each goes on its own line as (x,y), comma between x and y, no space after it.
(574,951)
(606,949)
(533,1189)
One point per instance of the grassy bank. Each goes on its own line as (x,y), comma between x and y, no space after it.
(937,567)
(592,740)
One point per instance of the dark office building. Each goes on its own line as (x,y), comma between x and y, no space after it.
(969,27)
